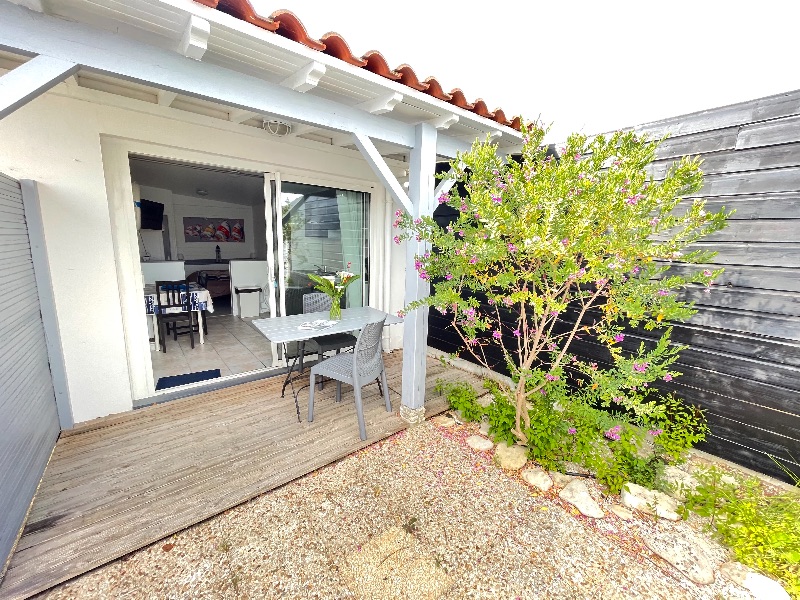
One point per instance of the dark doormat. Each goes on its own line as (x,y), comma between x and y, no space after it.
(176,380)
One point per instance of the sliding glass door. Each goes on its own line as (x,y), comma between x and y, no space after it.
(317,230)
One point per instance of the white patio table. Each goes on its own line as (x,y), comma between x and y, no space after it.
(282,330)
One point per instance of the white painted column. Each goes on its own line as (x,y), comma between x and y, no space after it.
(415,327)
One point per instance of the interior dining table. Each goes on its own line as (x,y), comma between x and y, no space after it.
(199,301)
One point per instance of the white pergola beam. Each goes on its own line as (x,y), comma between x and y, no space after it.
(194,41)
(445,185)
(341,140)
(30,80)
(303,129)
(306,78)
(422,167)
(382,104)
(382,170)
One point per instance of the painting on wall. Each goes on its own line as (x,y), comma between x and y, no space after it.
(201,229)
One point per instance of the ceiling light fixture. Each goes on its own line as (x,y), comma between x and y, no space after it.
(275,127)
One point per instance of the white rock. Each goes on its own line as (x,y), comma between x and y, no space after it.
(734,571)
(577,494)
(537,478)
(678,482)
(478,442)
(622,512)
(443,421)
(484,429)
(559,479)
(511,457)
(649,501)
(764,588)
(485,400)
(688,554)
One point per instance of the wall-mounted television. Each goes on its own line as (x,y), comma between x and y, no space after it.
(152,215)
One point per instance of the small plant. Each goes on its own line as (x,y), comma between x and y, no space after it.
(762,530)
(501,414)
(462,397)
(681,427)
(411,525)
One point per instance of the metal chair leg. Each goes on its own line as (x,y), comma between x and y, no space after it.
(362,428)
(338,391)
(385,388)
(311,398)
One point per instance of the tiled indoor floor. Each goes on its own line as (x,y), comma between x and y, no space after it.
(232,345)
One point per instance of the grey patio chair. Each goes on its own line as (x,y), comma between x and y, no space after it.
(358,369)
(318,302)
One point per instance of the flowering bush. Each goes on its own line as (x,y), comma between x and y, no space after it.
(545,251)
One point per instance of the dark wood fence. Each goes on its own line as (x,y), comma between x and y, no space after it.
(743,364)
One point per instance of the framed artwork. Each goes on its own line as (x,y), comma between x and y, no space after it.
(201,229)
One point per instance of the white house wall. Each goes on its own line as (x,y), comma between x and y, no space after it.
(56,141)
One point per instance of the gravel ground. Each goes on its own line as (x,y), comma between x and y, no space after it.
(419,515)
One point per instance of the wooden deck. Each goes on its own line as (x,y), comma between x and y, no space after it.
(125,481)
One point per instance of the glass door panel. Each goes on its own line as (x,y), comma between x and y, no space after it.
(324,231)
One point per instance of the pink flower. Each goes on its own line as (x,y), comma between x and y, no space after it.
(401,314)
(461,232)
(507,301)
(550,377)
(663,293)
(667,377)
(443,198)
(572,431)
(512,248)
(398,212)
(655,432)
(565,242)
(472,342)
(473,260)
(497,199)
(496,335)
(423,275)
(417,221)
(516,332)
(617,399)
(619,337)
(449,276)
(397,239)
(601,282)
(613,433)
(706,273)
(636,270)
(654,221)
(464,207)
(491,301)
(640,367)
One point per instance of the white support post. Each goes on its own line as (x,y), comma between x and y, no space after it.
(30,80)
(415,326)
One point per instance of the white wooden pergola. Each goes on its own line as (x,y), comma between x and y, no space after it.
(183,48)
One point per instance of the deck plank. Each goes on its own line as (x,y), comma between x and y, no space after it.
(126,481)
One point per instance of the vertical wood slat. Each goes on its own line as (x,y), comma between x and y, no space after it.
(29,421)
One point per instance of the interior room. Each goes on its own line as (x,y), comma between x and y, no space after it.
(208,226)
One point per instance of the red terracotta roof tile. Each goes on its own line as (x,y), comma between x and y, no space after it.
(286,24)
(378,65)
(435,90)
(242,9)
(409,78)
(460,100)
(336,46)
(482,110)
(291,27)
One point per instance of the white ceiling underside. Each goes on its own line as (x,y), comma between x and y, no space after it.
(242,47)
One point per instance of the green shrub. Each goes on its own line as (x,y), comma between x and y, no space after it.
(462,397)
(681,428)
(762,530)
(501,414)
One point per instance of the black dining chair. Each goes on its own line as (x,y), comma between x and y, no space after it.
(173,307)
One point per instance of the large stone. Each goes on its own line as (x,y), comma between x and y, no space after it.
(649,501)
(687,553)
(622,512)
(678,482)
(478,442)
(485,400)
(764,588)
(484,428)
(510,457)
(560,479)
(577,494)
(443,421)
(537,478)
(760,586)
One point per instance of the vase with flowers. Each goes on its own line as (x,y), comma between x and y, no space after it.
(334,287)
